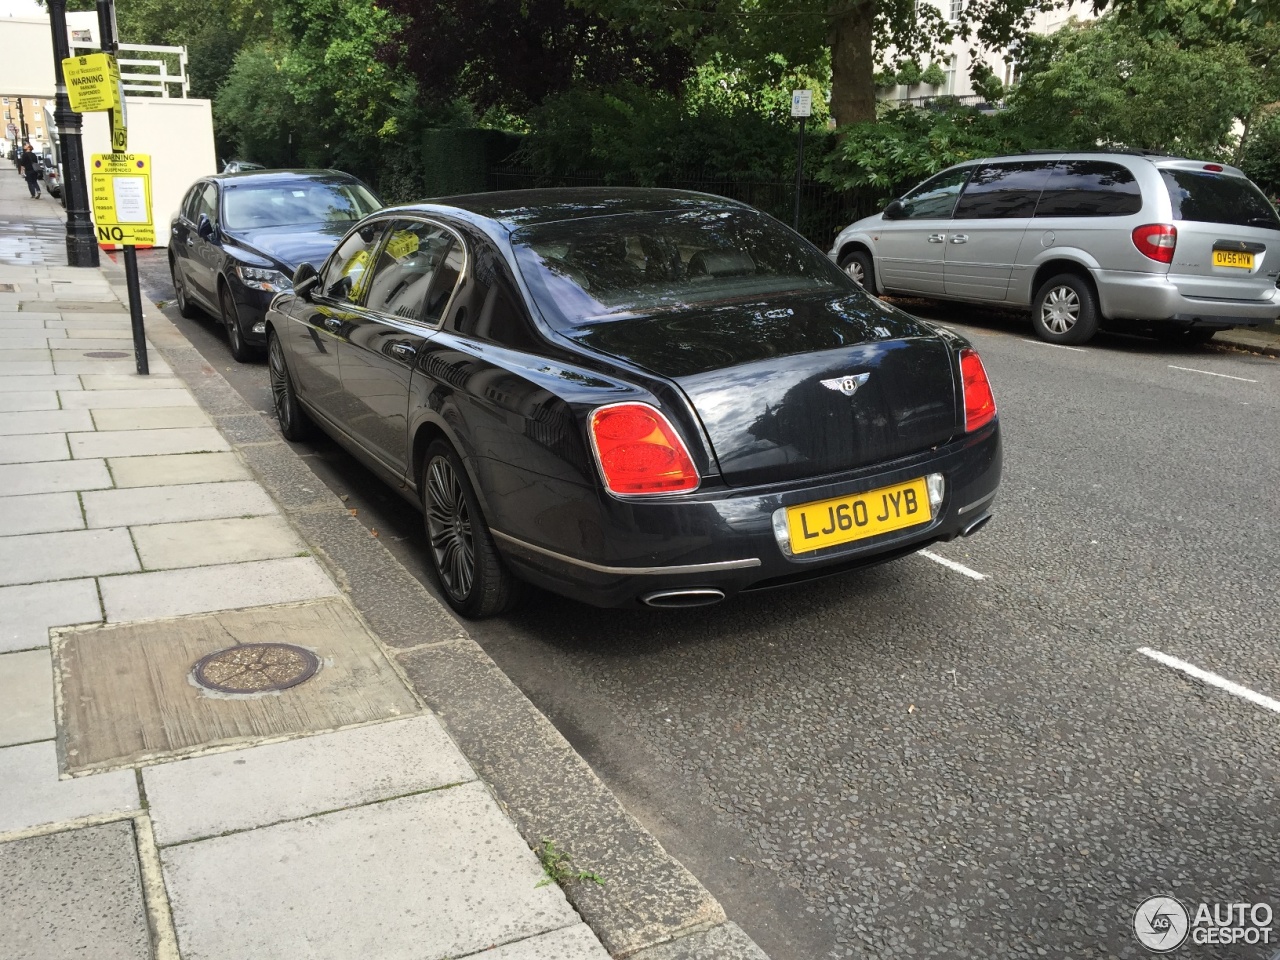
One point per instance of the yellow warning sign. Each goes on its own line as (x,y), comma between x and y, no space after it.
(93,82)
(121,189)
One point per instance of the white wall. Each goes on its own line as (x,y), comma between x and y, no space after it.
(179,136)
(26,68)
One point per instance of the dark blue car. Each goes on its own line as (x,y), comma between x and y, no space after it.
(238,238)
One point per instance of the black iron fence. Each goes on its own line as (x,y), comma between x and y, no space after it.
(824,210)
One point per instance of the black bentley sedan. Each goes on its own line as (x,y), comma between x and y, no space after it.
(238,238)
(632,396)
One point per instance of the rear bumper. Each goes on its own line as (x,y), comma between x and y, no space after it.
(723,541)
(1144,296)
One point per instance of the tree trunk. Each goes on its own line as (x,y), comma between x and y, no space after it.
(853,91)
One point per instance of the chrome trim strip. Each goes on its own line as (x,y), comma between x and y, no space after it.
(719,565)
(977,503)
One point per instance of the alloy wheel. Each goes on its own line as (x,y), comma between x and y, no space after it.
(1060,310)
(279,384)
(854,269)
(449,528)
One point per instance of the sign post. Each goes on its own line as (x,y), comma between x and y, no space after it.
(122,213)
(802,107)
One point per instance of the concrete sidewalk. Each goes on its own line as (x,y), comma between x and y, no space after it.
(164,791)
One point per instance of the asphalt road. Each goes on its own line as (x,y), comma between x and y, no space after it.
(912,762)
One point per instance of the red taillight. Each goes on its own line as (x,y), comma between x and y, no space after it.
(1156,240)
(979,402)
(1213,167)
(640,452)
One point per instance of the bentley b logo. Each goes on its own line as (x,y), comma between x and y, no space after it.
(848,385)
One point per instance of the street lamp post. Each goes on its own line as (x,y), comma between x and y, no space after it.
(82,244)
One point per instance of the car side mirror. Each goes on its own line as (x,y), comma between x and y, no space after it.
(896,210)
(305,279)
(205,229)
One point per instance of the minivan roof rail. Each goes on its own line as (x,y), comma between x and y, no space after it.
(1124,150)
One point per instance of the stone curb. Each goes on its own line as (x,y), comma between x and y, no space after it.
(650,907)
(1267,344)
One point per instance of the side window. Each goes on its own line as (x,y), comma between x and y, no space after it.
(191,202)
(416,272)
(495,310)
(208,204)
(1003,190)
(1089,188)
(935,199)
(345,273)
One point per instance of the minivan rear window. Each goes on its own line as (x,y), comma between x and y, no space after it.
(1218,198)
(1089,188)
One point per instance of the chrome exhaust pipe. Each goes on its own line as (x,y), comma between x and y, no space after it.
(977,525)
(693,597)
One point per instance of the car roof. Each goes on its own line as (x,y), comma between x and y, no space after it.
(279,176)
(514,209)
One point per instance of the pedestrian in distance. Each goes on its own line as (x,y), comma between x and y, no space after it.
(30,167)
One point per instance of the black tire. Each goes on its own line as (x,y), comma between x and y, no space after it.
(293,420)
(473,578)
(185,307)
(231,320)
(860,268)
(1065,310)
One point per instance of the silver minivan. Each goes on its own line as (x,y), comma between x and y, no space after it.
(1179,248)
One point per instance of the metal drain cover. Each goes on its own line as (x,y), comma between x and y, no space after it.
(106,354)
(256,668)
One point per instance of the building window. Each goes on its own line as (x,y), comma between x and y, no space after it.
(949,87)
(957,8)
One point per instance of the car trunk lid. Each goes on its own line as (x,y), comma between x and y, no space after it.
(800,388)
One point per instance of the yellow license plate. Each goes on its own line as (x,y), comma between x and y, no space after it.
(1233,258)
(826,523)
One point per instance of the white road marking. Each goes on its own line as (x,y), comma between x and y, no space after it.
(1222,683)
(1056,346)
(952,565)
(1225,376)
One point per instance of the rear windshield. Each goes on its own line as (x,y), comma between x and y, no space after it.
(1217,198)
(606,268)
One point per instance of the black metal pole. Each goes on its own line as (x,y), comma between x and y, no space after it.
(799,174)
(22,122)
(82,245)
(135,308)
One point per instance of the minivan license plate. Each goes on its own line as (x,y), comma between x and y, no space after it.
(827,523)
(1233,258)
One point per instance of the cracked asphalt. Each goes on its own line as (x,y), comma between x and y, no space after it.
(907,762)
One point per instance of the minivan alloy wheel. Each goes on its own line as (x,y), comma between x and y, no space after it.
(1061,309)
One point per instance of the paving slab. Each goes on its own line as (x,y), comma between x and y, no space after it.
(110,399)
(33,448)
(11,354)
(128,381)
(226,586)
(426,877)
(113,334)
(77,894)
(16,321)
(25,384)
(121,365)
(38,400)
(199,543)
(26,368)
(198,501)
(141,443)
(128,695)
(571,943)
(27,612)
(9,345)
(45,421)
(52,476)
(150,418)
(178,468)
(40,513)
(220,794)
(31,795)
(37,557)
(26,692)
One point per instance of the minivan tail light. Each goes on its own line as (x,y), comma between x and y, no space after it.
(1213,167)
(979,402)
(1156,241)
(639,452)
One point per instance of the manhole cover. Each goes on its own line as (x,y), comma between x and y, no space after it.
(256,668)
(106,354)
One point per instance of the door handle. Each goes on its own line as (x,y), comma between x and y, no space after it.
(405,350)
(333,323)
(960,238)
(190,242)
(937,237)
